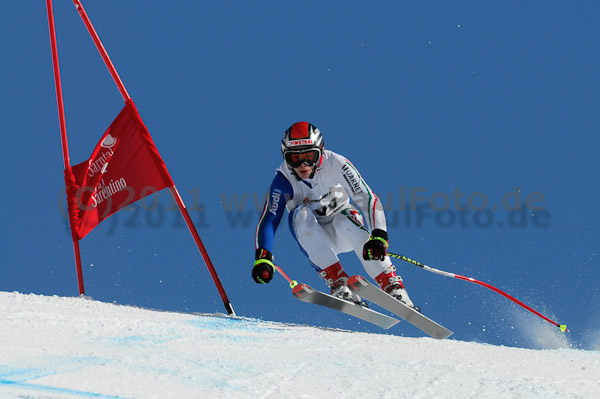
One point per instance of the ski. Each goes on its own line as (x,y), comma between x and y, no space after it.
(370,292)
(308,294)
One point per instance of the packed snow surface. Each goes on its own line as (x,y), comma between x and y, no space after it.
(53,347)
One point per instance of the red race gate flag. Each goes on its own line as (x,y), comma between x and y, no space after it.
(124,167)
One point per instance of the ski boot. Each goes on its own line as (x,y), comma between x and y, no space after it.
(337,279)
(392,284)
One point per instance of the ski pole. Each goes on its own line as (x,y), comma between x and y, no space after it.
(293,283)
(562,327)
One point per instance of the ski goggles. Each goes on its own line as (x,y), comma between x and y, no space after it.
(306,157)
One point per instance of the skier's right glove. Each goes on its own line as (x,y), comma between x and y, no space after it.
(263,269)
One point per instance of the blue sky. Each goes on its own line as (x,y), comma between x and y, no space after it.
(423,97)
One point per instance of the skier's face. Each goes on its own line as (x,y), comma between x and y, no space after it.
(303,171)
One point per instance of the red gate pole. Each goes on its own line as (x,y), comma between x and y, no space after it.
(63,129)
(174,192)
(200,245)
(101,49)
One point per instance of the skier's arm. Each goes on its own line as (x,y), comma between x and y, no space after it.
(376,247)
(279,192)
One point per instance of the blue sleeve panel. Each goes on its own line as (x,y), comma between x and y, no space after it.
(280,192)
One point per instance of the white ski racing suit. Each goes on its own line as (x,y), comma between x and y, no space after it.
(321,218)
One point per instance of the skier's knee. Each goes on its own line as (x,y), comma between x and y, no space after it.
(304,219)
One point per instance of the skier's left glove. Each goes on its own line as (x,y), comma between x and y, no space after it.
(376,247)
(263,269)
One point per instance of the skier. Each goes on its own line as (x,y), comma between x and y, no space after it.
(316,185)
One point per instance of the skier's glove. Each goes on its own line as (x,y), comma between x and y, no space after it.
(376,247)
(263,269)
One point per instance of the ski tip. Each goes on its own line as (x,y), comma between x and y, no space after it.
(563,328)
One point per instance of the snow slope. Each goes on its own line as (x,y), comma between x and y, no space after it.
(54,347)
